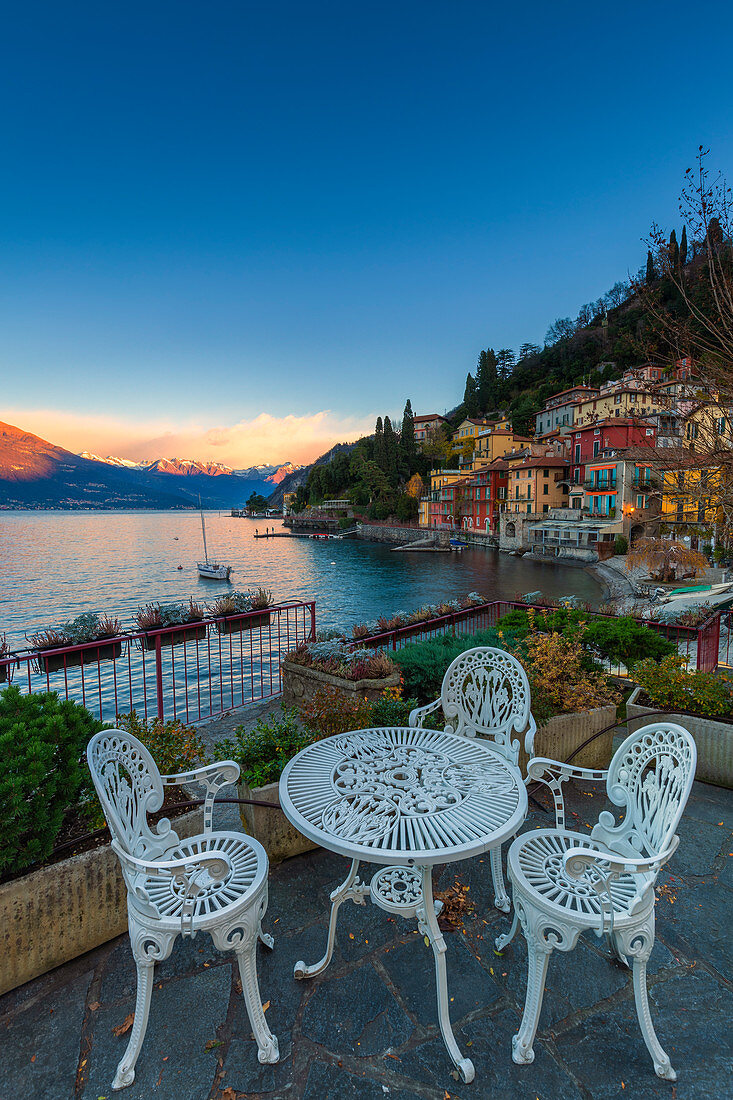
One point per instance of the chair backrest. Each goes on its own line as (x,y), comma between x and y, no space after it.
(487,692)
(650,776)
(129,786)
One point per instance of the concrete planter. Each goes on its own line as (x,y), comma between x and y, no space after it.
(277,836)
(564,733)
(300,683)
(61,911)
(713,737)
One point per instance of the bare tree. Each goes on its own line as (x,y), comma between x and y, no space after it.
(666,560)
(690,308)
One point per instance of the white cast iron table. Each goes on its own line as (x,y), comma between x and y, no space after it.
(406,799)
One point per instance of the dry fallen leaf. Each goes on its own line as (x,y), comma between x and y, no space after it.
(265,1006)
(94,1006)
(212,1044)
(228,1094)
(124,1026)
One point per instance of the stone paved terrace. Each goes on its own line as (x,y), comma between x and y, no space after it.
(368,1027)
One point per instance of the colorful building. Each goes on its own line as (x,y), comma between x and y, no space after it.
(559,410)
(424,425)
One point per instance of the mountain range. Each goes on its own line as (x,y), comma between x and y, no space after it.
(35,473)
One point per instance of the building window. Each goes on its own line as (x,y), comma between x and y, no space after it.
(545,473)
(529,507)
(596,447)
(545,507)
(545,490)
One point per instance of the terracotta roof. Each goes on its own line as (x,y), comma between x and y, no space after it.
(546,460)
(561,393)
(429,416)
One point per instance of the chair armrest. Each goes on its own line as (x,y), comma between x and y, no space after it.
(529,736)
(218,865)
(213,776)
(542,767)
(577,861)
(417,715)
(195,873)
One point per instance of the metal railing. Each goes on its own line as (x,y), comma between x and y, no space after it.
(192,671)
(705,646)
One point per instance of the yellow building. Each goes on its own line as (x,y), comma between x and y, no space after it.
(619,400)
(429,509)
(492,443)
(537,483)
(690,489)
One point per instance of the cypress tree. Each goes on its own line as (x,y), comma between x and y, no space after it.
(486,392)
(379,454)
(650,272)
(683,246)
(470,399)
(391,460)
(407,437)
(674,251)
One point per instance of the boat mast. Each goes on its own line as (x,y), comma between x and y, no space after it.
(203,532)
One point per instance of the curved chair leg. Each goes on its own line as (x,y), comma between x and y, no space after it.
(662,1064)
(147,949)
(267,1046)
(504,941)
(428,925)
(265,938)
(538,955)
(501,898)
(351,889)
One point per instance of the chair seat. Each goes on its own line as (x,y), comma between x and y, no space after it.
(536,868)
(249,872)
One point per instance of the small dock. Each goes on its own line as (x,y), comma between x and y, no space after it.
(279,535)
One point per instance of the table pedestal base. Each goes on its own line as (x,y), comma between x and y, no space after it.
(405,892)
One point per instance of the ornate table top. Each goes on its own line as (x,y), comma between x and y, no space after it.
(403,796)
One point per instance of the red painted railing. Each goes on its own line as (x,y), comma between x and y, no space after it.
(704,646)
(190,672)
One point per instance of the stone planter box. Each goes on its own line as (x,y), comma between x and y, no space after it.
(188,633)
(300,683)
(110,651)
(56,913)
(277,836)
(713,737)
(564,733)
(237,626)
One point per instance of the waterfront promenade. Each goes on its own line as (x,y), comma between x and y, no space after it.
(368,1027)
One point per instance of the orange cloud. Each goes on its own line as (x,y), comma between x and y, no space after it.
(262,439)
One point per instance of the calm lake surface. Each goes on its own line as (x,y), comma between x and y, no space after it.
(55,565)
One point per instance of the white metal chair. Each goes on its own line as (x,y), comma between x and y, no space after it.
(485,693)
(565,882)
(214,882)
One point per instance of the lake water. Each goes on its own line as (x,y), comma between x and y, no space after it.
(55,565)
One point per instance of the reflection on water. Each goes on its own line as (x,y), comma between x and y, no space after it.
(56,565)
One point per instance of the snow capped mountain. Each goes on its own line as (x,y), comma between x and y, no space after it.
(187,467)
(112,460)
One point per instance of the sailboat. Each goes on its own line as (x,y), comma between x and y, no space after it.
(212,570)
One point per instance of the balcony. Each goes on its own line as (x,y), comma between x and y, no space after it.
(599,486)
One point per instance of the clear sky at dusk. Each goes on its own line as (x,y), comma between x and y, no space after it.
(240,231)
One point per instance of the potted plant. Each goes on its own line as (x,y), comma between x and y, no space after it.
(701,702)
(238,604)
(57,868)
(85,628)
(334,663)
(186,617)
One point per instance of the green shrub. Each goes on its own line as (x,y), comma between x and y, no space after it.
(669,686)
(707,549)
(42,745)
(423,664)
(626,641)
(263,751)
(620,544)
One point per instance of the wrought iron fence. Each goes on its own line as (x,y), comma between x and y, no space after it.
(191,672)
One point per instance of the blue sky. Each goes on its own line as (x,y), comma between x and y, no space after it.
(233,227)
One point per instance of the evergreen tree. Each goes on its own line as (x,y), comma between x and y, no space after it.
(683,246)
(505,363)
(379,452)
(486,388)
(391,447)
(650,272)
(674,251)
(407,438)
(470,397)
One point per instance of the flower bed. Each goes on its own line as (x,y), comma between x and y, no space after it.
(81,631)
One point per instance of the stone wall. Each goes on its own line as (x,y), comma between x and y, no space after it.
(400,536)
